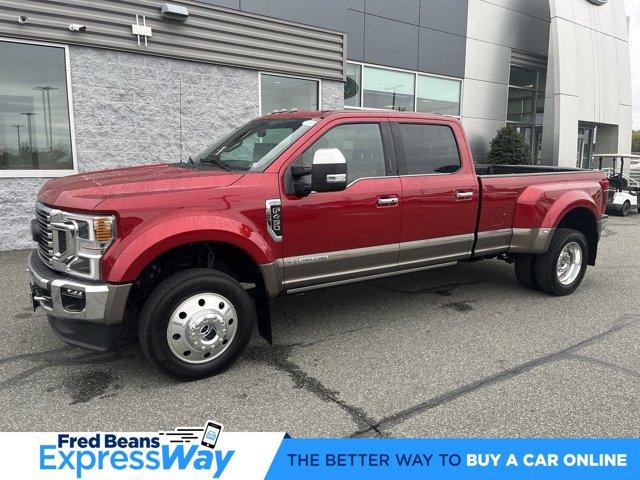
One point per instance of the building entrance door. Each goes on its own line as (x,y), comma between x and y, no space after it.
(586,137)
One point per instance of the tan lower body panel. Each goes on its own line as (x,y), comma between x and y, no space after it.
(333,268)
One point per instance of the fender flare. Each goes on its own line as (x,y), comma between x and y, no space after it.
(536,209)
(538,214)
(565,204)
(127,260)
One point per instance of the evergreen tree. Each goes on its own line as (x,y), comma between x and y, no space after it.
(509,148)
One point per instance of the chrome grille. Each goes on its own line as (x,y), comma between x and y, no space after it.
(62,241)
(45,243)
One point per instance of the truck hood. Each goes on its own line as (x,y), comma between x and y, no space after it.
(87,190)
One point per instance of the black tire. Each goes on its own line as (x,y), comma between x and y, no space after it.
(167,296)
(546,264)
(525,272)
(626,206)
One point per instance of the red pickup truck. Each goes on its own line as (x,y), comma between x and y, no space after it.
(191,253)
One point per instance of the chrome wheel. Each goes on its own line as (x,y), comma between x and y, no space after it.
(569,263)
(202,327)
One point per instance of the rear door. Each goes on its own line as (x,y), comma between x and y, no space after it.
(439,193)
(336,236)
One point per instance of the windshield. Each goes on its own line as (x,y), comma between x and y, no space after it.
(255,145)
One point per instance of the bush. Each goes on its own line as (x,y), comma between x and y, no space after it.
(509,148)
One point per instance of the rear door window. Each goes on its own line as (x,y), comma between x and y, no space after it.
(428,149)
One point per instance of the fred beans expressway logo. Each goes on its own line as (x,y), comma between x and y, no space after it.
(598,2)
(185,449)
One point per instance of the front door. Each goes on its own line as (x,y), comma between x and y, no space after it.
(338,236)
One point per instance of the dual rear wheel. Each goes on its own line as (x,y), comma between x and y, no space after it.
(561,269)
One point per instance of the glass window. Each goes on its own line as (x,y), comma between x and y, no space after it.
(438,95)
(542,81)
(278,92)
(524,78)
(256,145)
(34,109)
(520,107)
(429,149)
(388,89)
(361,145)
(352,85)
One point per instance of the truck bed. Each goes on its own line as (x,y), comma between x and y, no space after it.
(488,169)
(504,213)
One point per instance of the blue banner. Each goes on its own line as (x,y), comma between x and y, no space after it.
(385,459)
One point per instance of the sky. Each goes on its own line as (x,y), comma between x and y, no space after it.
(633,10)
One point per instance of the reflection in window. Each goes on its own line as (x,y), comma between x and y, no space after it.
(388,89)
(34,108)
(278,92)
(438,95)
(391,89)
(352,85)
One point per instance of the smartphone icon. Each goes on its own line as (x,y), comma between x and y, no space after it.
(211,434)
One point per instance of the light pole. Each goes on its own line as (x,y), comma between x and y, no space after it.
(47,113)
(30,133)
(18,127)
(395,90)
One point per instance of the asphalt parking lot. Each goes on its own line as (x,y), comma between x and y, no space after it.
(462,351)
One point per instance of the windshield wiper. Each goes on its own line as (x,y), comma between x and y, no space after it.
(214,160)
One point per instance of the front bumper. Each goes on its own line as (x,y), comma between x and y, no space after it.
(82,312)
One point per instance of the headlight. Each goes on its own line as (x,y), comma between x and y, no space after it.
(86,237)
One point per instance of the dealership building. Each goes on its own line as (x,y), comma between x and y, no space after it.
(95,84)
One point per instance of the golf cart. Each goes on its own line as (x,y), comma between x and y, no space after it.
(624,191)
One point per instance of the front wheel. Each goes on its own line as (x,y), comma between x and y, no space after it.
(626,207)
(561,269)
(196,323)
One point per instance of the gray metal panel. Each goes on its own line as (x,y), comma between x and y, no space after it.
(390,43)
(355,5)
(355,35)
(211,34)
(402,10)
(235,4)
(324,13)
(445,15)
(441,53)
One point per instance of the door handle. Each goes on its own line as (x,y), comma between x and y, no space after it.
(388,201)
(464,194)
